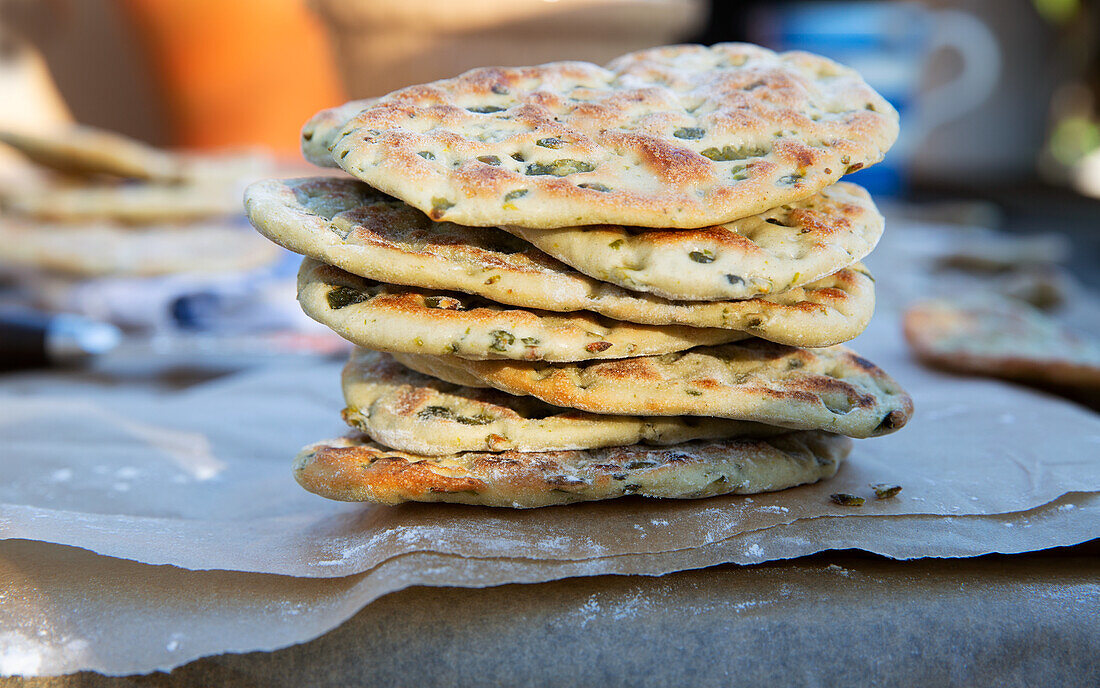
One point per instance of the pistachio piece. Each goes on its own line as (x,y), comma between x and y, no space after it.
(845,499)
(485,109)
(439,206)
(559,168)
(689,133)
(502,339)
(703,256)
(446,303)
(728,153)
(430,412)
(340,297)
(885,490)
(550,142)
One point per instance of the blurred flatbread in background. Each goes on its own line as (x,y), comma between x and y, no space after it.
(128,204)
(79,150)
(994,252)
(107,176)
(1001,338)
(106,249)
(31,99)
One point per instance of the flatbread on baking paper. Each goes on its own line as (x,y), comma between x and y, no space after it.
(347,224)
(402,409)
(830,389)
(1001,338)
(774,251)
(353,469)
(388,317)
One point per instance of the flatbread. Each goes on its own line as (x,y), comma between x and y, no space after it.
(104,249)
(320,131)
(1001,338)
(136,204)
(388,317)
(830,389)
(354,469)
(85,151)
(351,226)
(783,248)
(680,136)
(405,410)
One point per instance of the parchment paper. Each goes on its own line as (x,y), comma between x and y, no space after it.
(200,479)
(67,610)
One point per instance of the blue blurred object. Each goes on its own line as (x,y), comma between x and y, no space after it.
(890,44)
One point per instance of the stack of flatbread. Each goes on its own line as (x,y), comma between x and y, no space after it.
(571,282)
(109,205)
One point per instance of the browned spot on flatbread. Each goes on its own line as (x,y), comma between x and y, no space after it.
(822,224)
(337,471)
(671,163)
(800,154)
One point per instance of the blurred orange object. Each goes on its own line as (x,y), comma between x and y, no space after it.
(240,73)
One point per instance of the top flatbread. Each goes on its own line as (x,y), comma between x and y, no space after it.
(681,136)
(347,224)
(1002,339)
(780,249)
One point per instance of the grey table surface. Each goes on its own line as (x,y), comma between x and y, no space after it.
(833,618)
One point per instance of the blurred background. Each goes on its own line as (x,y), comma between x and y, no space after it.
(1000,103)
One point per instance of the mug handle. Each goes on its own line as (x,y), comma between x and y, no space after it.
(980,54)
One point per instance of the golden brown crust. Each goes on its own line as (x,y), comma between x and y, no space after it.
(1000,339)
(830,389)
(681,136)
(355,469)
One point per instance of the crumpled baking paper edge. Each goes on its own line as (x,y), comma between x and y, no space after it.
(1063,522)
